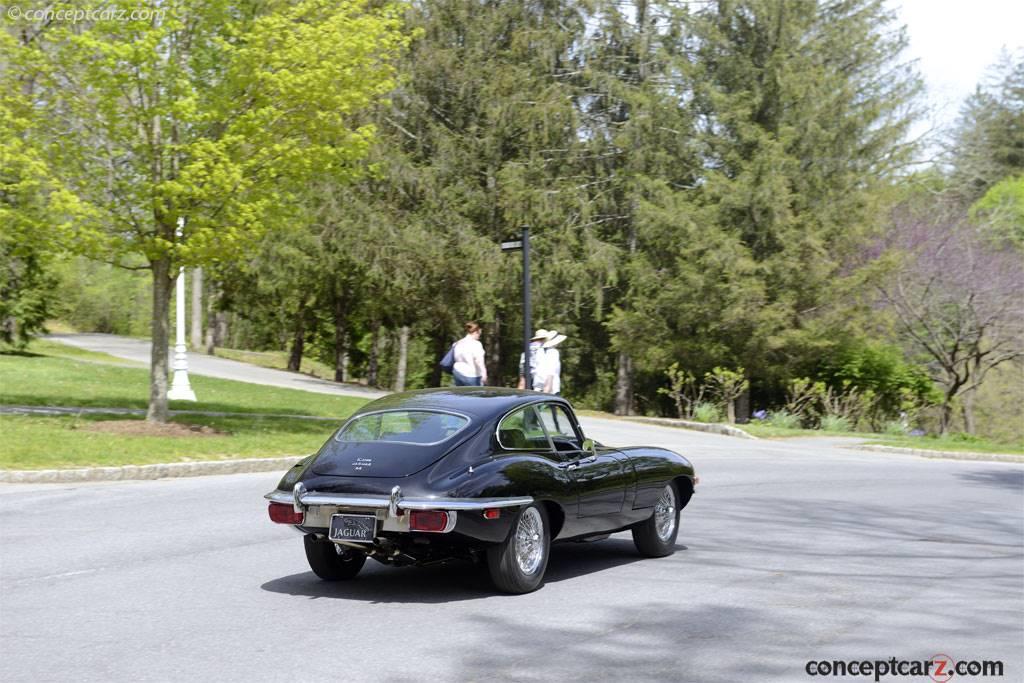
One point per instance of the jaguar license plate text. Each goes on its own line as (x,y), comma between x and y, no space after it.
(353,528)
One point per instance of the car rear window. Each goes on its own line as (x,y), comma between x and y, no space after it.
(403,426)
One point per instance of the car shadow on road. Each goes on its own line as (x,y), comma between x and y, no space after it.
(648,641)
(571,560)
(454,581)
(999,478)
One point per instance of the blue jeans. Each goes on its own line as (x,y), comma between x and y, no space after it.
(464,381)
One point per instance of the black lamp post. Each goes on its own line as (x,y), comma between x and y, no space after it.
(523,244)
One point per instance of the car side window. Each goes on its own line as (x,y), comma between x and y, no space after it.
(559,425)
(522,430)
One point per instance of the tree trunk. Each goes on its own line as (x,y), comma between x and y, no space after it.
(967,408)
(403,357)
(624,386)
(374,363)
(730,411)
(494,353)
(211,320)
(946,418)
(159,331)
(298,341)
(440,347)
(743,407)
(340,341)
(221,336)
(197,309)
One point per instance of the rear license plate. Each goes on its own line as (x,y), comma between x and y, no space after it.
(353,528)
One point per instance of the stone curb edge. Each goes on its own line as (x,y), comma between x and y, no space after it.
(713,428)
(942,455)
(137,472)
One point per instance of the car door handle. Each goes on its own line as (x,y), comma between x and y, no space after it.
(584,461)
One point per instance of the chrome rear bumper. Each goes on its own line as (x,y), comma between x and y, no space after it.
(302,498)
(317,508)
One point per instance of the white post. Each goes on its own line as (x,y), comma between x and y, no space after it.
(180,389)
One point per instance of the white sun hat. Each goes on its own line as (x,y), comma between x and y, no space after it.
(554,340)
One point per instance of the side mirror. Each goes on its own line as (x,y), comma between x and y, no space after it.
(590,446)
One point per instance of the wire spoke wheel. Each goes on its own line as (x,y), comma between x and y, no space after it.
(529,541)
(518,563)
(656,536)
(665,514)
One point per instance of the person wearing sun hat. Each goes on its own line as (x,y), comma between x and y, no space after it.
(553,363)
(538,366)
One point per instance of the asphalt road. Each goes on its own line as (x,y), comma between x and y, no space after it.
(788,553)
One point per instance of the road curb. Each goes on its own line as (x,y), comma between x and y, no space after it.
(712,428)
(137,472)
(943,455)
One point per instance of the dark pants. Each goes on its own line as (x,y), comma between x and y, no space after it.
(463,381)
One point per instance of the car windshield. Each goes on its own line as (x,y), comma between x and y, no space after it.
(403,426)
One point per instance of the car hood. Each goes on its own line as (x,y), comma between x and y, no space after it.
(380,459)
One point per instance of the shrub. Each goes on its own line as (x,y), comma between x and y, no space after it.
(683,390)
(895,428)
(784,420)
(727,386)
(896,385)
(804,400)
(835,423)
(707,412)
(849,403)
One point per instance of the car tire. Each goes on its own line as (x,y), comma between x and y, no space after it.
(518,563)
(656,536)
(328,563)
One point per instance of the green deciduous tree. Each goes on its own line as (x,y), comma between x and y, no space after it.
(208,114)
(35,207)
(1001,210)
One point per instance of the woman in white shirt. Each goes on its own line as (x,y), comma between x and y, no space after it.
(553,364)
(538,366)
(469,369)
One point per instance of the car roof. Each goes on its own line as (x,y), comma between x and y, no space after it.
(479,403)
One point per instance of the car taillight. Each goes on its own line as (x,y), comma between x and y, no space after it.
(285,514)
(429,520)
(492,513)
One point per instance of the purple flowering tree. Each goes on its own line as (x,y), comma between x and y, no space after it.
(958,300)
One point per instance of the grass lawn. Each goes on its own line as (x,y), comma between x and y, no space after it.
(959,443)
(57,376)
(949,443)
(31,442)
(765,431)
(278,360)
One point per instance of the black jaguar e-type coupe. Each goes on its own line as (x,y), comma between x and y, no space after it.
(475,472)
